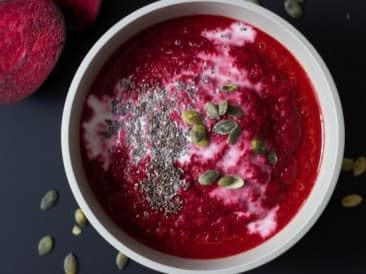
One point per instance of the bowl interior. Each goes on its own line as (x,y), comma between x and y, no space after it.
(266,21)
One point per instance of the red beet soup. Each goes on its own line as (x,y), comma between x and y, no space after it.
(201,136)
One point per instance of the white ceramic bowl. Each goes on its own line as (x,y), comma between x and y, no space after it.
(333,134)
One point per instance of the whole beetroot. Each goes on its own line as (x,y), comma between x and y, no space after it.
(79,14)
(32,35)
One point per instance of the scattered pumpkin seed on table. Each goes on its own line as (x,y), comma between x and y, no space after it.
(76,230)
(71,264)
(45,245)
(347,164)
(49,200)
(351,200)
(231,182)
(208,177)
(293,8)
(121,260)
(212,111)
(359,166)
(80,218)
(192,117)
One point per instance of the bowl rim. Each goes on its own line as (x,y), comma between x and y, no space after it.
(108,235)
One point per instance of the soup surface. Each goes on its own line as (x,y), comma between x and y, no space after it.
(191,95)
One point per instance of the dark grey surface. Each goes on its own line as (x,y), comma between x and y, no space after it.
(31,161)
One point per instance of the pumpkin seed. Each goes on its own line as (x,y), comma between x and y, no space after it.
(121,260)
(231,182)
(347,164)
(192,117)
(253,1)
(351,200)
(293,8)
(258,146)
(76,230)
(70,264)
(208,177)
(198,136)
(49,200)
(224,127)
(203,143)
(234,135)
(80,218)
(229,87)
(212,111)
(235,111)
(359,166)
(223,106)
(45,245)
(272,158)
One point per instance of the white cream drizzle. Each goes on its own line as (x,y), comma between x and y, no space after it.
(265,226)
(96,146)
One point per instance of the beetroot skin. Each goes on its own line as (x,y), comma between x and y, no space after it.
(79,13)
(32,35)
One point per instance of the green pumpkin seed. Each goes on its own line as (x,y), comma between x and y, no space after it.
(209,177)
(45,245)
(70,264)
(198,136)
(49,200)
(230,87)
(76,230)
(351,200)
(212,111)
(231,182)
(80,218)
(359,166)
(192,117)
(293,8)
(234,135)
(223,106)
(253,1)
(272,158)
(224,127)
(203,143)
(347,164)
(121,260)
(258,146)
(235,111)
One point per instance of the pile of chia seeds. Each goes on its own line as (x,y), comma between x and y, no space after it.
(150,132)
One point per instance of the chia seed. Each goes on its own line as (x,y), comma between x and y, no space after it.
(124,83)
(205,80)
(151,132)
(191,87)
(181,85)
(111,128)
(115,107)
